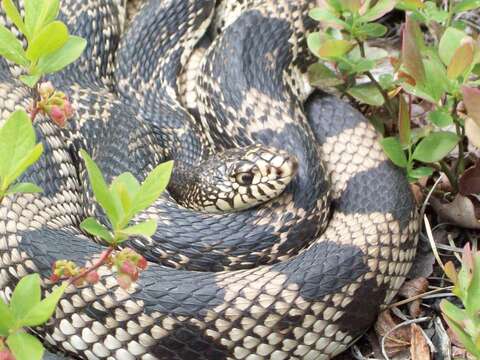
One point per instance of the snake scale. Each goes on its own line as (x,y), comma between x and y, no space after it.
(288,279)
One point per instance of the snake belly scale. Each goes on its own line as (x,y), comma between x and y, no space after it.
(288,279)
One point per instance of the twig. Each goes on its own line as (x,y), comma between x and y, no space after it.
(419,296)
(428,229)
(94,267)
(405,323)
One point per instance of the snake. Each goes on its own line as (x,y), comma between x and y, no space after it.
(284,230)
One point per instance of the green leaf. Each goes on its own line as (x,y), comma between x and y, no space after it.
(44,310)
(462,60)
(435,146)
(30,80)
(466,5)
(386,81)
(372,30)
(17,146)
(404,130)
(24,188)
(410,5)
(39,14)
(394,151)
(437,83)
(6,319)
(146,228)
(378,10)
(433,13)
(155,183)
(367,93)
(51,38)
(100,189)
(25,296)
(420,172)
(93,227)
(11,48)
(332,49)
(22,165)
(320,75)
(124,188)
(64,56)
(417,91)
(449,42)
(440,118)
(25,346)
(13,14)
(326,16)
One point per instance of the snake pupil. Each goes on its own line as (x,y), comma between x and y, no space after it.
(245,179)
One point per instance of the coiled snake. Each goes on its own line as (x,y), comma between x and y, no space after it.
(288,279)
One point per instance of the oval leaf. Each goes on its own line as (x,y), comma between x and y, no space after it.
(367,93)
(51,38)
(30,80)
(7,322)
(331,49)
(435,146)
(449,42)
(461,61)
(25,296)
(11,48)
(24,188)
(13,14)
(25,346)
(440,118)
(404,121)
(22,165)
(146,228)
(411,56)
(64,56)
(38,14)
(394,151)
(44,310)
(93,227)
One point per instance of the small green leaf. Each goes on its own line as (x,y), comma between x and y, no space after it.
(93,227)
(17,146)
(11,48)
(146,228)
(326,16)
(420,172)
(394,151)
(410,5)
(25,346)
(23,164)
(64,56)
(25,296)
(100,189)
(386,81)
(367,93)
(435,146)
(30,80)
(39,14)
(24,188)
(449,42)
(124,188)
(6,319)
(51,38)
(320,75)
(44,310)
(332,49)
(466,5)
(13,14)
(380,8)
(404,130)
(155,183)
(372,30)
(440,118)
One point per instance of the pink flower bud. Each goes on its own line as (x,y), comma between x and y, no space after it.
(68,109)
(57,115)
(45,89)
(142,263)
(129,269)
(5,354)
(92,277)
(124,281)
(54,278)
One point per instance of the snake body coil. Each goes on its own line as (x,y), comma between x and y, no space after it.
(285,280)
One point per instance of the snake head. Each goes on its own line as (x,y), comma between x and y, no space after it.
(240,178)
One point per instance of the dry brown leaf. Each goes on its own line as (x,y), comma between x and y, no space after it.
(413,288)
(461,211)
(417,193)
(419,349)
(469,182)
(472,130)
(398,340)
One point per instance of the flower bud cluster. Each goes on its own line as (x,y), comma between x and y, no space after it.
(129,264)
(53,103)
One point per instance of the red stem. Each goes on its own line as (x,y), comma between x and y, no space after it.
(95,266)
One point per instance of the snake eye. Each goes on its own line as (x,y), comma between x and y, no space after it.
(244,179)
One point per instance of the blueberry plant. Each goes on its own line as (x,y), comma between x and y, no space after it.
(50,48)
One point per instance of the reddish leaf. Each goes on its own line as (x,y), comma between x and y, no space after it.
(471,98)
(469,182)
(462,60)
(404,121)
(413,288)
(411,57)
